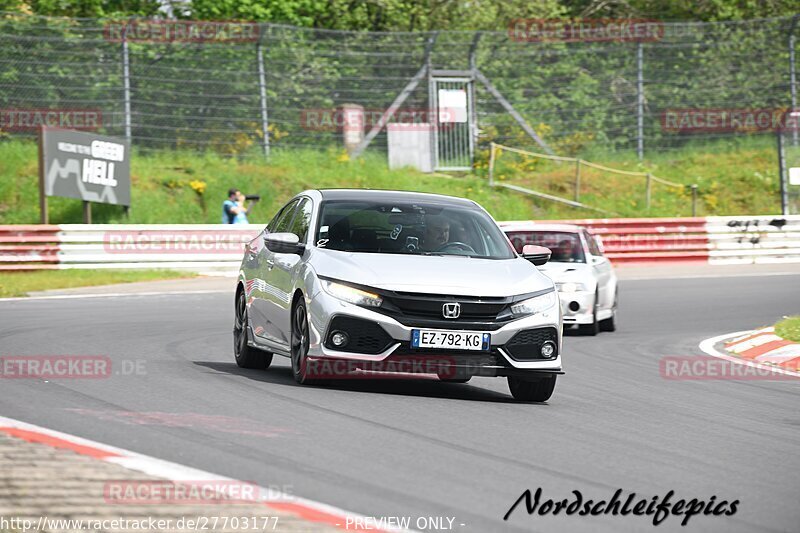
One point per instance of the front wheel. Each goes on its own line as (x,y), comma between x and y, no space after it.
(300,342)
(610,323)
(246,356)
(532,391)
(594,327)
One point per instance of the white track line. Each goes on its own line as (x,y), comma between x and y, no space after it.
(708,276)
(708,347)
(111,295)
(180,473)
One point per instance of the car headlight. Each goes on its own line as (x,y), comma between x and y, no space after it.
(569,286)
(531,306)
(351,294)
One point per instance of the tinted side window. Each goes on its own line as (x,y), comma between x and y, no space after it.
(302,220)
(284,218)
(272,223)
(592,243)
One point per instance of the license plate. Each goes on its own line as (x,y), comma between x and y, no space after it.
(450,340)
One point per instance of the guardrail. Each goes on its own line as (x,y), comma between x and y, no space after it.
(716,240)
(218,247)
(196,247)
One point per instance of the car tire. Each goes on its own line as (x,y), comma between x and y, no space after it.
(246,356)
(593,328)
(299,343)
(454,380)
(531,391)
(610,323)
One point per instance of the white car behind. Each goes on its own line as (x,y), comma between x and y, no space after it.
(584,277)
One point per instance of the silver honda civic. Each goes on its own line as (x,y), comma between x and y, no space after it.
(373,284)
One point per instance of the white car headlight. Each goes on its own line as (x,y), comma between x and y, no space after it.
(531,306)
(569,286)
(351,294)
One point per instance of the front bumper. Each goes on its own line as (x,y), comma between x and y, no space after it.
(577,307)
(323,308)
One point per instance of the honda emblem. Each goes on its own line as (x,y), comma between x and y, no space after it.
(451,310)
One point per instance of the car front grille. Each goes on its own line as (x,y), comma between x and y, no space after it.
(425,310)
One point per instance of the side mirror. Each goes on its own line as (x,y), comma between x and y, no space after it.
(596,260)
(538,255)
(284,243)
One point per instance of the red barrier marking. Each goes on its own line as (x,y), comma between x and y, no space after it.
(55,442)
(648,257)
(22,268)
(33,228)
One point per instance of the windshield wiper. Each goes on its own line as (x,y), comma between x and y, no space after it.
(448,255)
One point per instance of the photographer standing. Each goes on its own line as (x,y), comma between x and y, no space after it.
(234,210)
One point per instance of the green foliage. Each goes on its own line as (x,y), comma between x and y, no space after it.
(789,328)
(732,179)
(167,185)
(21,283)
(411,15)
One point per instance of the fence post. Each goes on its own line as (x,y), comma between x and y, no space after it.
(639,101)
(126,81)
(491,164)
(782,174)
(793,72)
(577,180)
(694,200)
(647,189)
(262,87)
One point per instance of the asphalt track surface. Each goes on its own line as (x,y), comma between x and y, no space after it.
(424,448)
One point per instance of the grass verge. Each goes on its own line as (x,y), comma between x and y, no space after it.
(21,283)
(789,328)
(187,187)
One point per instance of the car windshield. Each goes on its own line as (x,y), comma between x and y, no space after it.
(417,228)
(565,246)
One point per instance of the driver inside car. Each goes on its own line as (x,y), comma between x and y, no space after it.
(437,233)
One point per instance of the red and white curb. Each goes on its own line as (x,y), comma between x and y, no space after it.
(764,346)
(308,510)
(760,349)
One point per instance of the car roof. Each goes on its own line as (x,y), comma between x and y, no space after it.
(392,196)
(537,226)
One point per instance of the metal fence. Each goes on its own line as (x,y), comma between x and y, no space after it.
(575,96)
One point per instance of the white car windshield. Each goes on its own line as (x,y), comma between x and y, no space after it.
(410,228)
(565,246)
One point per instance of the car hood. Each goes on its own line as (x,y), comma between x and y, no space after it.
(431,274)
(561,271)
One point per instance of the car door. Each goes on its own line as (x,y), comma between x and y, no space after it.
(282,274)
(601,268)
(262,295)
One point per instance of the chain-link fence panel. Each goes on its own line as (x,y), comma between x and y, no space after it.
(219,86)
